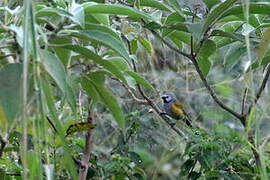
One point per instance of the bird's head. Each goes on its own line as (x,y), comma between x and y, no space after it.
(168,97)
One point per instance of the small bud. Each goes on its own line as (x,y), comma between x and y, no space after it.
(151,110)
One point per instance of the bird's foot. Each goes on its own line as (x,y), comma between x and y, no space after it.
(172,124)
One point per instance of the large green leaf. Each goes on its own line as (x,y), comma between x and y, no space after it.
(119,62)
(217,13)
(78,14)
(234,36)
(264,44)
(67,159)
(234,54)
(171,20)
(155,4)
(207,49)
(174,5)
(211,3)
(57,71)
(254,8)
(10,92)
(146,44)
(106,96)
(91,7)
(96,58)
(103,38)
(103,28)
(140,80)
(63,54)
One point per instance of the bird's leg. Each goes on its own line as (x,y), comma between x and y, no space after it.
(172,124)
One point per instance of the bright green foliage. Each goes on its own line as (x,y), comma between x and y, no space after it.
(99,67)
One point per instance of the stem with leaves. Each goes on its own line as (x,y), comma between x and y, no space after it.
(84,163)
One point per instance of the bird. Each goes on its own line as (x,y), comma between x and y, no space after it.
(174,108)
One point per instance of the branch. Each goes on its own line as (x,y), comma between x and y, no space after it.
(156,109)
(259,93)
(244,101)
(134,98)
(3,145)
(170,46)
(212,93)
(210,90)
(84,163)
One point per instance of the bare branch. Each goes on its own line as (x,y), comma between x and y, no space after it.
(3,145)
(259,93)
(171,46)
(134,98)
(212,93)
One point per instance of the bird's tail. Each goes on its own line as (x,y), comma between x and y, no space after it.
(187,120)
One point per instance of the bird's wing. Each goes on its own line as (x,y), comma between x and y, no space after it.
(178,109)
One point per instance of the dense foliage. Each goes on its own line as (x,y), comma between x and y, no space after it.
(81,81)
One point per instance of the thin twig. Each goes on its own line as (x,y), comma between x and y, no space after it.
(259,91)
(212,93)
(134,98)
(170,46)
(244,101)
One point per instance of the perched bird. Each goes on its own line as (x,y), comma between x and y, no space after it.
(174,108)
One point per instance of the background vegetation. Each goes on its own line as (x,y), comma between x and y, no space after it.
(81,80)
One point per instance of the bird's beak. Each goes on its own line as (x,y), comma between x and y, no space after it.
(163,97)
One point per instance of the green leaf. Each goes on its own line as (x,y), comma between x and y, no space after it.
(170,20)
(67,159)
(140,80)
(10,92)
(133,46)
(152,26)
(90,89)
(63,54)
(264,45)
(57,71)
(186,167)
(217,13)
(181,36)
(155,4)
(93,8)
(175,5)
(196,30)
(97,18)
(204,65)
(254,8)
(234,36)
(207,49)
(146,44)
(109,100)
(119,62)
(102,28)
(234,54)
(211,3)
(78,14)
(97,59)
(104,39)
